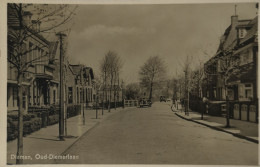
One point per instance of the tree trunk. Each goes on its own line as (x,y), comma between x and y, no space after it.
(115,93)
(20,121)
(110,93)
(227,108)
(83,111)
(103,94)
(105,89)
(151,91)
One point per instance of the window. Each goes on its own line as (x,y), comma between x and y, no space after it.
(34,94)
(246,57)
(8,95)
(242,32)
(39,56)
(34,56)
(83,98)
(15,96)
(24,100)
(245,91)
(54,96)
(29,95)
(248,91)
(70,95)
(30,51)
(81,95)
(77,95)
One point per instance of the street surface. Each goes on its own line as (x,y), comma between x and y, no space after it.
(157,136)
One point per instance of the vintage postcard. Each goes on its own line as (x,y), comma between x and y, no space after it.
(130,83)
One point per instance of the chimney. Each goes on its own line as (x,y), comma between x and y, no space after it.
(234,21)
(36,25)
(27,18)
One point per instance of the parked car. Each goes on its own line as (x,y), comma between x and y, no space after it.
(162,98)
(145,102)
(168,100)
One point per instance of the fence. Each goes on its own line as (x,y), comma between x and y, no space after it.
(131,103)
(246,111)
(240,110)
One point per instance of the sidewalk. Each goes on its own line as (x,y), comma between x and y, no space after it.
(46,141)
(241,129)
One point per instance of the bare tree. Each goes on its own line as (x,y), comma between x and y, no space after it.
(110,68)
(153,71)
(228,65)
(133,91)
(20,29)
(104,67)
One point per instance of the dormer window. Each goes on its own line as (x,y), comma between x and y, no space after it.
(241,32)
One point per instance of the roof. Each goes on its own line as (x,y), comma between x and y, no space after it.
(90,71)
(229,39)
(253,32)
(76,69)
(13,21)
(231,35)
(108,87)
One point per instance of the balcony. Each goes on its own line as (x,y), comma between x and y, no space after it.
(43,71)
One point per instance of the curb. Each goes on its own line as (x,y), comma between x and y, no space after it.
(85,133)
(220,129)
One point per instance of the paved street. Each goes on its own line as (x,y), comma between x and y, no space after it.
(157,136)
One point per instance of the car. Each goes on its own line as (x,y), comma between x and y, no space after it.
(162,98)
(145,102)
(168,100)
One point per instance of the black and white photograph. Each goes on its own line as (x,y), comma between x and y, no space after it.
(130,83)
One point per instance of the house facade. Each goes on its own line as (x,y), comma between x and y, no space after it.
(239,43)
(40,87)
(80,85)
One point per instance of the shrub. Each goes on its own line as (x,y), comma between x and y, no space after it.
(53,119)
(29,126)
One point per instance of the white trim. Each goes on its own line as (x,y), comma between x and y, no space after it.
(15,82)
(244,47)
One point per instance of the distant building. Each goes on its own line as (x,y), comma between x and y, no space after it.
(80,85)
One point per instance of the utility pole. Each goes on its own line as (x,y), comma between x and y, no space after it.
(61,112)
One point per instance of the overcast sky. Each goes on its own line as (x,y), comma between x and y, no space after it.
(137,32)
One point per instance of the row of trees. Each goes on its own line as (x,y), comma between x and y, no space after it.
(192,81)
(110,68)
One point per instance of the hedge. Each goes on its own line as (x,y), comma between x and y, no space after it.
(36,119)
(29,126)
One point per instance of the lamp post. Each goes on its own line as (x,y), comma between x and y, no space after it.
(61,112)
